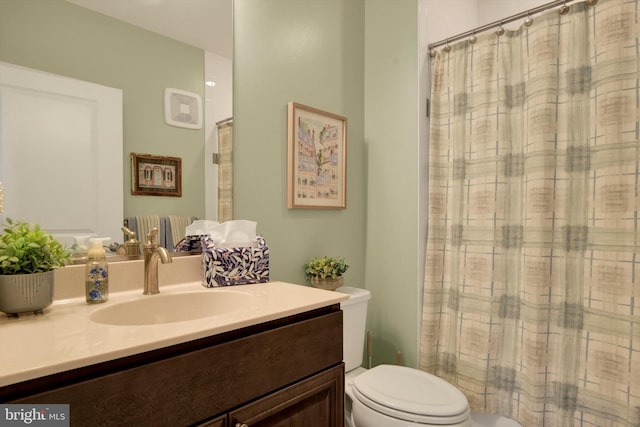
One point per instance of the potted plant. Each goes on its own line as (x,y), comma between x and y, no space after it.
(326,272)
(28,256)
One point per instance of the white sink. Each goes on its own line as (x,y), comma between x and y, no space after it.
(169,308)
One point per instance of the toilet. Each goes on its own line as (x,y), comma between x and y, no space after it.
(390,395)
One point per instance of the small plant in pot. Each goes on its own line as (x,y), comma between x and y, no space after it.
(28,257)
(326,272)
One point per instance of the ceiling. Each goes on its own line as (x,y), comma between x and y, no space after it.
(207,24)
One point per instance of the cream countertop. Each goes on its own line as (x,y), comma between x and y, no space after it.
(64,337)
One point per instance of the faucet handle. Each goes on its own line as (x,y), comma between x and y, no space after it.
(130,235)
(151,237)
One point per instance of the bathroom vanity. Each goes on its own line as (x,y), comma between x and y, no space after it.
(275,361)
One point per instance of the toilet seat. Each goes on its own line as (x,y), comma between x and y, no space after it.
(411,395)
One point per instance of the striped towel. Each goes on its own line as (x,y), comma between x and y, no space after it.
(144,224)
(175,229)
(171,229)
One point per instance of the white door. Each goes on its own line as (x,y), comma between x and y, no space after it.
(61,153)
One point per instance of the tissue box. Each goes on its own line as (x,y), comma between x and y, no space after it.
(234,266)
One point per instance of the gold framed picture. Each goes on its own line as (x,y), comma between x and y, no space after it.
(317,159)
(156,175)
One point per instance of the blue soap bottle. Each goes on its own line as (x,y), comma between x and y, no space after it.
(97,273)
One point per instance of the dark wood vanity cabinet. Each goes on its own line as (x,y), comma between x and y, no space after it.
(287,372)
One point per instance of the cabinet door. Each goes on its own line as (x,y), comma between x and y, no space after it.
(314,402)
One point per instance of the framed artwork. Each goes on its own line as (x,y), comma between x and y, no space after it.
(156,175)
(317,163)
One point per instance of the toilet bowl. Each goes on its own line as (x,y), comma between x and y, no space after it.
(389,395)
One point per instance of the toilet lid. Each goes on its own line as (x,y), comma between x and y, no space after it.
(411,395)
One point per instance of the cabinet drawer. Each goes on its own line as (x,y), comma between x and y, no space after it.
(220,421)
(194,386)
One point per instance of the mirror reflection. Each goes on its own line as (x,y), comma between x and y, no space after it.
(140,48)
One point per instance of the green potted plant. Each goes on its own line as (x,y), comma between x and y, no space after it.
(28,257)
(326,272)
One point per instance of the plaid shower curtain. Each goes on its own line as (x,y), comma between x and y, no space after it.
(531,296)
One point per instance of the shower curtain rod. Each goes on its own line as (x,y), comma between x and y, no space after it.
(525,14)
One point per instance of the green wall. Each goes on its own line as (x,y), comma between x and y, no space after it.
(310,52)
(62,38)
(356,58)
(391,135)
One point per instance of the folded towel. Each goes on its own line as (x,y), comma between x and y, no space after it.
(145,223)
(177,226)
(171,229)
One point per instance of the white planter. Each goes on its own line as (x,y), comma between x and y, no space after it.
(21,293)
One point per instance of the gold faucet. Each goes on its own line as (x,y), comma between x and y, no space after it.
(152,252)
(131,246)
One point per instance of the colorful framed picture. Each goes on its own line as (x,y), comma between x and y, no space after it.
(317,160)
(156,175)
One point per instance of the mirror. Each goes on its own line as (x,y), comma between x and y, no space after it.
(117,44)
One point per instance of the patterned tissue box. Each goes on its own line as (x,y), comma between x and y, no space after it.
(234,266)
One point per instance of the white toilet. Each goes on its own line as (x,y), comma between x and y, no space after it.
(389,395)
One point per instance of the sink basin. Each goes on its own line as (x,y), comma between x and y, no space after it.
(169,308)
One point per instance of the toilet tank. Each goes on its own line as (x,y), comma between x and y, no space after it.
(354,319)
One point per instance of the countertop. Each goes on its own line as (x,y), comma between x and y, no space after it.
(65,338)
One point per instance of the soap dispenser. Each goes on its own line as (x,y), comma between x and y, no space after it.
(97,272)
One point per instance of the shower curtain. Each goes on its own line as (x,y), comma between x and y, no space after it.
(531,293)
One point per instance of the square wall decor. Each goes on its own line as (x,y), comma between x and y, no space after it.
(182,108)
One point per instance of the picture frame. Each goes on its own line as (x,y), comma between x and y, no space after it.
(317,159)
(156,175)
